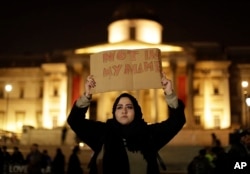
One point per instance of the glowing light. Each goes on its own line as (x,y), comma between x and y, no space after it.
(248,101)
(244,84)
(118,34)
(47,123)
(8,88)
(127,45)
(81,144)
(139,29)
(165,64)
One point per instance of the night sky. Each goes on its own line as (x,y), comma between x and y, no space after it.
(45,25)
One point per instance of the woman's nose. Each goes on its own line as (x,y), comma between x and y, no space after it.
(124,110)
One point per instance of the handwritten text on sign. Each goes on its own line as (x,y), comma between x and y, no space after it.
(148,62)
(126,69)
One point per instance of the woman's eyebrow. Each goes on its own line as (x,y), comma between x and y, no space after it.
(125,104)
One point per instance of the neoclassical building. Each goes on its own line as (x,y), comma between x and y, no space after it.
(206,77)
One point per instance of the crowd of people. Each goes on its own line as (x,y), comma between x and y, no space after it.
(38,162)
(216,159)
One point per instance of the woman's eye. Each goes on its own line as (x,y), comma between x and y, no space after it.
(130,107)
(126,107)
(118,107)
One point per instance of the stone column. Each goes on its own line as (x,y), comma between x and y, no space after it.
(190,101)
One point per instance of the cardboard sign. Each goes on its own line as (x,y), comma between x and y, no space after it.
(126,70)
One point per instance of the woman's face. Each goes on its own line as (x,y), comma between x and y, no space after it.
(124,112)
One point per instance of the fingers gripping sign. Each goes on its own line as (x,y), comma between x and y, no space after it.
(166,84)
(90,84)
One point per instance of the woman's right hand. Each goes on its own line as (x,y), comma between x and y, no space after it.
(90,83)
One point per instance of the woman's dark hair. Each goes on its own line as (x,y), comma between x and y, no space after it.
(137,108)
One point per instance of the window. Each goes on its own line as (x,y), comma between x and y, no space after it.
(39,121)
(132,33)
(55,92)
(197,90)
(41,92)
(54,114)
(196,87)
(216,91)
(21,95)
(197,120)
(1,92)
(2,116)
(20,116)
(54,121)
(216,121)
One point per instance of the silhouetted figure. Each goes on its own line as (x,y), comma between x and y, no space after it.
(210,156)
(46,162)
(6,160)
(214,139)
(74,165)
(220,161)
(240,152)
(1,160)
(17,156)
(58,163)
(34,160)
(64,134)
(217,148)
(200,164)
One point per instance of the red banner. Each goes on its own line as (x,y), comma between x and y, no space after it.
(182,88)
(75,88)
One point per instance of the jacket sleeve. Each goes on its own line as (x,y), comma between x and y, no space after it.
(89,131)
(163,132)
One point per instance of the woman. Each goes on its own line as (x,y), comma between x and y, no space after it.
(126,144)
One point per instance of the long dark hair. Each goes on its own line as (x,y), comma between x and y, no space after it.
(134,136)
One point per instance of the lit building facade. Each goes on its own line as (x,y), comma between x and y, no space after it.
(43,92)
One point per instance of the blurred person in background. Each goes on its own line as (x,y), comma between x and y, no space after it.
(240,152)
(74,164)
(34,160)
(58,162)
(17,156)
(6,159)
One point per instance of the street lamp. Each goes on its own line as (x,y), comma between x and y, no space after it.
(244,85)
(8,89)
(248,114)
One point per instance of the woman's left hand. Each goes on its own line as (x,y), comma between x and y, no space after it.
(167,85)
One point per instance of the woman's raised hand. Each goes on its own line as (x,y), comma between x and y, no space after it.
(90,83)
(166,84)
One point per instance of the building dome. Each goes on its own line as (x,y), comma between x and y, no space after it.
(135,10)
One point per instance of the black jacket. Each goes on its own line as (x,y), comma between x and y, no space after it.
(92,133)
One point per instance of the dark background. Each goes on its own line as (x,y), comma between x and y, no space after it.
(45,25)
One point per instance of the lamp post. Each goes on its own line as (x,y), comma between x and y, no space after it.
(8,89)
(244,85)
(248,113)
